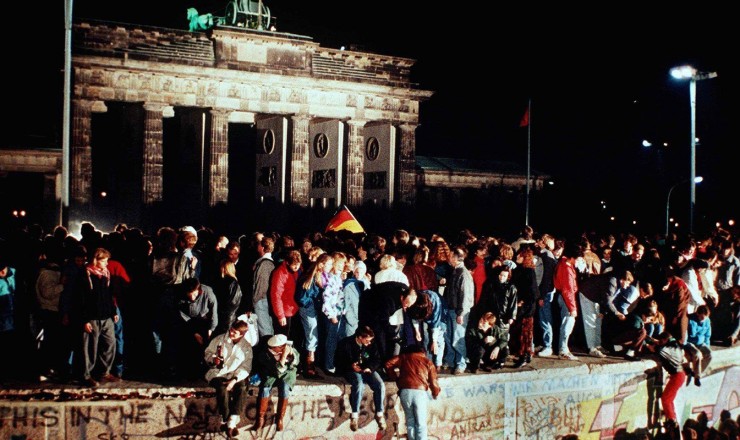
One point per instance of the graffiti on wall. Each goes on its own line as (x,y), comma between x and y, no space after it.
(595,408)
(549,415)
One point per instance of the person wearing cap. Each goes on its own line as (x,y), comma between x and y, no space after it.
(229,357)
(277,365)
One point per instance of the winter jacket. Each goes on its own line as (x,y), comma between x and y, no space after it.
(415,372)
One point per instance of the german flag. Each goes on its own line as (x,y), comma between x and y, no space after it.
(344,220)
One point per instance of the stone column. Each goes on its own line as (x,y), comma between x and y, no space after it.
(407,164)
(81,152)
(355,162)
(152,181)
(299,176)
(218,188)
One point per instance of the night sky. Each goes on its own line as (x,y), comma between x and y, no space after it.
(597,76)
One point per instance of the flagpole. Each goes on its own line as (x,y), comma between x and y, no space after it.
(529,159)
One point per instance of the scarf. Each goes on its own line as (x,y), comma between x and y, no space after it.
(100,273)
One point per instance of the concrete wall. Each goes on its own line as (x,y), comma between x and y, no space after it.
(592,400)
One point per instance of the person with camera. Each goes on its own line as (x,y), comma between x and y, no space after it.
(277,365)
(229,358)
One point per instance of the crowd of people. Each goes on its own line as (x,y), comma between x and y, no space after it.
(189,304)
(693,429)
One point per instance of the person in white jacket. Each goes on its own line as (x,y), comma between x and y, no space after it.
(229,356)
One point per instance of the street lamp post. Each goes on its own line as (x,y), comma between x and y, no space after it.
(688,72)
(695,180)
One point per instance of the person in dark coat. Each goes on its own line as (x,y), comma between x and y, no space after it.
(487,344)
(228,296)
(673,300)
(98,317)
(528,294)
(357,360)
(188,319)
(381,303)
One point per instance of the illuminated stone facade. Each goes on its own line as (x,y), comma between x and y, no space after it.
(332,126)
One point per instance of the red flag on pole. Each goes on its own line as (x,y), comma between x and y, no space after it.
(344,220)
(525,119)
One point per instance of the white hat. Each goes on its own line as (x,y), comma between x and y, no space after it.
(277,341)
(189,229)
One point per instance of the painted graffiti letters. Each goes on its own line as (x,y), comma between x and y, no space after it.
(116,415)
(557,414)
(33,417)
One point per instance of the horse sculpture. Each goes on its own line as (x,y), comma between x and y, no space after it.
(199,22)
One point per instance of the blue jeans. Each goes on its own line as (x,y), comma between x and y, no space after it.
(117,368)
(333,332)
(653,330)
(264,321)
(436,336)
(414,403)
(282,386)
(545,315)
(567,323)
(310,326)
(455,340)
(358,381)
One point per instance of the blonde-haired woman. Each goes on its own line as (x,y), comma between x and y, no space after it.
(333,309)
(389,271)
(308,294)
(187,263)
(228,296)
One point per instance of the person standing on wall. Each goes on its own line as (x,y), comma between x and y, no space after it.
(416,377)
(671,355)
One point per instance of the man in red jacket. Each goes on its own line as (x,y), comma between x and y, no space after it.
(567,291)
(282,292)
